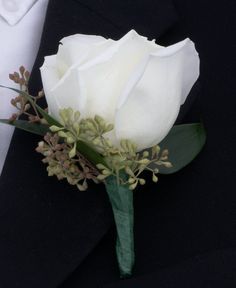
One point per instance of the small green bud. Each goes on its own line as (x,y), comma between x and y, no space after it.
(155,150)
(76,127)
(167,164)
(154,178)
(129,171)
(70,140)
(101,177)
(43,121)
(97,141)
(55,128)
(66,114)
(131,180)
(83,187)
(109,127)
(133,186)
(101,166)
(98,119)
(156,170)
(106,172)
(62,134)
(145,154)
(72,152)
(144,161)
(131,148)
(90,126)
(142,181)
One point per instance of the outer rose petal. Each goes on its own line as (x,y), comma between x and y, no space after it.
(152,106)
(105,76)
(66,89)
(50,78)
(60,93)
(79,48)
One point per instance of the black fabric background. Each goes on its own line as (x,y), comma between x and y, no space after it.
(185,226)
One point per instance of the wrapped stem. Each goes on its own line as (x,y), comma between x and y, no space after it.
(121,198)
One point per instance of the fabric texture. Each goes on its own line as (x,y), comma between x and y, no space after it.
(13,11)
(54,236)
(19,46)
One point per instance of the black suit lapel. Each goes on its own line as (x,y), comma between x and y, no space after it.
(47,226)
(111,19)
(150,18)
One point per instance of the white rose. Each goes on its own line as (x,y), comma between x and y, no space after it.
(133,83)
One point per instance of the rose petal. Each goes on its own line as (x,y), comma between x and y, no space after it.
(150,110)
(105,77)
(50,78)
(79,48)
(69,92)
(65,91)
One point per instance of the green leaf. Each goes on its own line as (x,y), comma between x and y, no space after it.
(89,153)
(121,199)
(184,143)
(51,121)
(35,128)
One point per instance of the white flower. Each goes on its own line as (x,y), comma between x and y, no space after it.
(133,83)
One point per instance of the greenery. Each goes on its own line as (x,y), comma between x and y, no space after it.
(78,150)
(87,143)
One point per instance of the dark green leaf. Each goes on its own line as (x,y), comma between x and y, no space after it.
(51,121)
(90,154)
(184,143)
(35,128)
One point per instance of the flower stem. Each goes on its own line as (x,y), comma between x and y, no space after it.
(121,198)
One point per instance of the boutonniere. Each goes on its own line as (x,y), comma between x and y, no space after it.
(111,110)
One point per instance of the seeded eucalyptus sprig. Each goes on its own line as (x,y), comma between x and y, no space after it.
(117,159)
(133,163)
(62,147)
(76,170)
(24,103)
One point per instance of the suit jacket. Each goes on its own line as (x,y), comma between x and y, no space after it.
(52,235)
